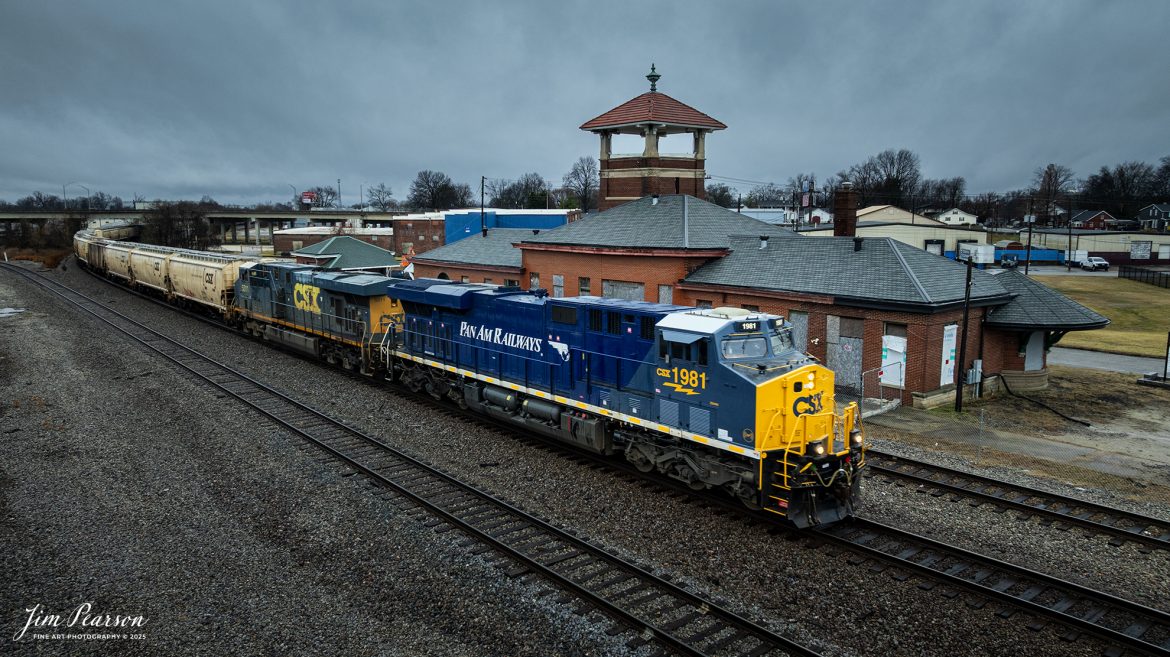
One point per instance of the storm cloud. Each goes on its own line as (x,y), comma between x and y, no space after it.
(240,100)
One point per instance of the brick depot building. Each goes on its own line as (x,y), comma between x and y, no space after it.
(885,316)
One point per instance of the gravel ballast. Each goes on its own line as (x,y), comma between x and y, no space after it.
(128,486)
(812,594)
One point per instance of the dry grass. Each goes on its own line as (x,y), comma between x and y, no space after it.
(1139,314)
(50,258)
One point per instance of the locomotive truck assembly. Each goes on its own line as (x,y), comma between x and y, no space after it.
(716,398)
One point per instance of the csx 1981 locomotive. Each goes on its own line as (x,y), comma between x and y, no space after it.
(711,397)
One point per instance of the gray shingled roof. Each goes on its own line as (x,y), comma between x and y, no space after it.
(884,272)
(348,253)
(1037,306)
(646,224)
(494,250)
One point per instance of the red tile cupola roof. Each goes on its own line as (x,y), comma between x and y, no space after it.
(653,107)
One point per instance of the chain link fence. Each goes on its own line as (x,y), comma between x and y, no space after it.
(876,391)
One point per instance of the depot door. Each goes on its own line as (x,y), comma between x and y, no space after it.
(844,337)
(1034,352)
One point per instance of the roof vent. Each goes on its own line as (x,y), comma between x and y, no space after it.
(857,243)
(654,200)
(763,242)
(535,231)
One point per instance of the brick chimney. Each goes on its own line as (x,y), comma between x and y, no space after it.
(845,211)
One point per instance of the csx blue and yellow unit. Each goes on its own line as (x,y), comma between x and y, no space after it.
(716,398)
(343,317)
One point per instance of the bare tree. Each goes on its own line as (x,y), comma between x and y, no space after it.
(1048,184)
(529,191)
(183,224)
(326,196)
(381,197)
(1135,183)
(721,194)
(768,196)
(583,181)
(434,190)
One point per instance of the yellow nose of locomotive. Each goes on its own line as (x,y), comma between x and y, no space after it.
(811,451)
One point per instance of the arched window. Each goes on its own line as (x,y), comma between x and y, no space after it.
(443,276)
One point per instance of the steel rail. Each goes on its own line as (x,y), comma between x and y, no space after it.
(658,610)
(1101,519)
(1109,617)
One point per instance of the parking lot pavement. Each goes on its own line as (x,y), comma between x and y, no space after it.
(1061,270)
(1098,360)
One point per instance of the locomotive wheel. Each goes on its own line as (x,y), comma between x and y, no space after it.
(747,497)
(639,460)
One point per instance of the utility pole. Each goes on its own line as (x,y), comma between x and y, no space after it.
(482,217)
(961,357)
(1030,219)
(339,192)
(1069,249)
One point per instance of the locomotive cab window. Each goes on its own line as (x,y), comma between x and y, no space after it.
(781,341)
(737,348)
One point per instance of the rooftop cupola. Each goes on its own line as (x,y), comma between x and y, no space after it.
(652,115)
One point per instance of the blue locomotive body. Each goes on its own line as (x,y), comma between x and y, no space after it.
(713,398)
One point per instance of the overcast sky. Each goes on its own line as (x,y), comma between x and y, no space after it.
(240,99)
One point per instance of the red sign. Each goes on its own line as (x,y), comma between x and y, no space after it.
(308,197)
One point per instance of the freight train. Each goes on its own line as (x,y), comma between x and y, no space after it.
(715,398)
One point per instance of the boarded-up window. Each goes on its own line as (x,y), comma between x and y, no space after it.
(583,286)
(623,290)
(533,281)
(558,285)
(703,303)
(665,294)
(852,327)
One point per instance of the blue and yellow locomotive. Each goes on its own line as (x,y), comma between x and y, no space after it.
(714,398)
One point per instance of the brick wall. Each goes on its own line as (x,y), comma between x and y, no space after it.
(422,234)
(474,274)
(652,271)
(653,183)
(924,334)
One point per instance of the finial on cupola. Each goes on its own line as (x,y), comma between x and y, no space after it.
(653,77)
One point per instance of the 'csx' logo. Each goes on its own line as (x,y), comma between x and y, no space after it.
(305,297)
(807,405)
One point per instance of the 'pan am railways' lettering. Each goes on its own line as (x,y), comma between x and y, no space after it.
(498,336)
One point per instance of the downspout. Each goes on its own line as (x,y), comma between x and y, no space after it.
(686,234)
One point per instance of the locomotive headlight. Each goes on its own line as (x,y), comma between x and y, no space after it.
(817,448)
(857,438)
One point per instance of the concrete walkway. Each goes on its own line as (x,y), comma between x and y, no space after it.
(1097,360)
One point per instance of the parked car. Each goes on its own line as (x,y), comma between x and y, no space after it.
(1010,261)
(1093,263)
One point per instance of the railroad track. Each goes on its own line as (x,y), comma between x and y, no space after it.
(1066,512)
(1121,623)
(651,607)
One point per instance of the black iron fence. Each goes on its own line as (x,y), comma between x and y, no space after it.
(1145,275)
